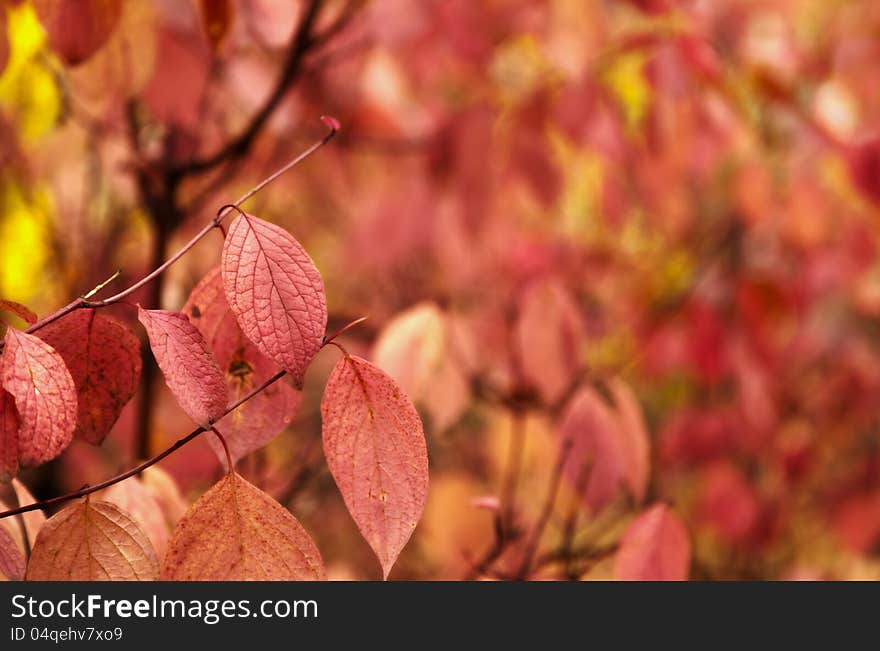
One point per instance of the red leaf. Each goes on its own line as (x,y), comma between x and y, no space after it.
(864,167)
(190,369)
(104,359)
(78,29)
(45,396)
(12,563)
(655,547)
(376,452)
(275,293)
(8,437)
(17,308)
(261,418)
(236,532)
(216,19)
(634,437)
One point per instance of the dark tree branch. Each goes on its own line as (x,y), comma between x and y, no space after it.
(302,41)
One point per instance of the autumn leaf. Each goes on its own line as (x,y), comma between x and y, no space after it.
(548,337)
(78,29)
(411,346)
(260,419)
(92,541)
(8,437)
(45,397)
(134,499)
(634,437)
(190,369)
(609,442)
(18,309)
(236,532)
(275,292)
(12,563)
(655,547)
(414,349)
(376,452)
(104,359)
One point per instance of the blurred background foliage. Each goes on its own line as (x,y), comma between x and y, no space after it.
(670,200)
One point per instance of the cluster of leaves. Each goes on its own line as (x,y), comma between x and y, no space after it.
(622,257)
(263,310)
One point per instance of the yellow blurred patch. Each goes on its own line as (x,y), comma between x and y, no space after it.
(625,78)
(518,67)
(579,203)
(27,86)
(23,237)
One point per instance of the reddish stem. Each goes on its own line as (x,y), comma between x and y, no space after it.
(225,449)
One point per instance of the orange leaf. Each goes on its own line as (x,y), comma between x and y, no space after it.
(92,541)
(236,532)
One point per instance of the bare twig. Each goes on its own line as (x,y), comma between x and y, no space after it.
(88,490)
(534,538)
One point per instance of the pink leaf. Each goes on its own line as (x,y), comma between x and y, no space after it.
(376,452)
(8,437)
(45,396)
(261,418)
(414,348)
(236,532)
(275,293)
(609,442)
(634,437)
(104,359)
(655,547)
(78,29)
(548,338)
(18,309)
(190,369)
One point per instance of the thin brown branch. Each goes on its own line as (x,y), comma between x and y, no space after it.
(302,41)
(81,302)
(88,490)
(534,538)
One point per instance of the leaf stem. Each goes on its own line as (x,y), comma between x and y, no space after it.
(342,330)
(225,449)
